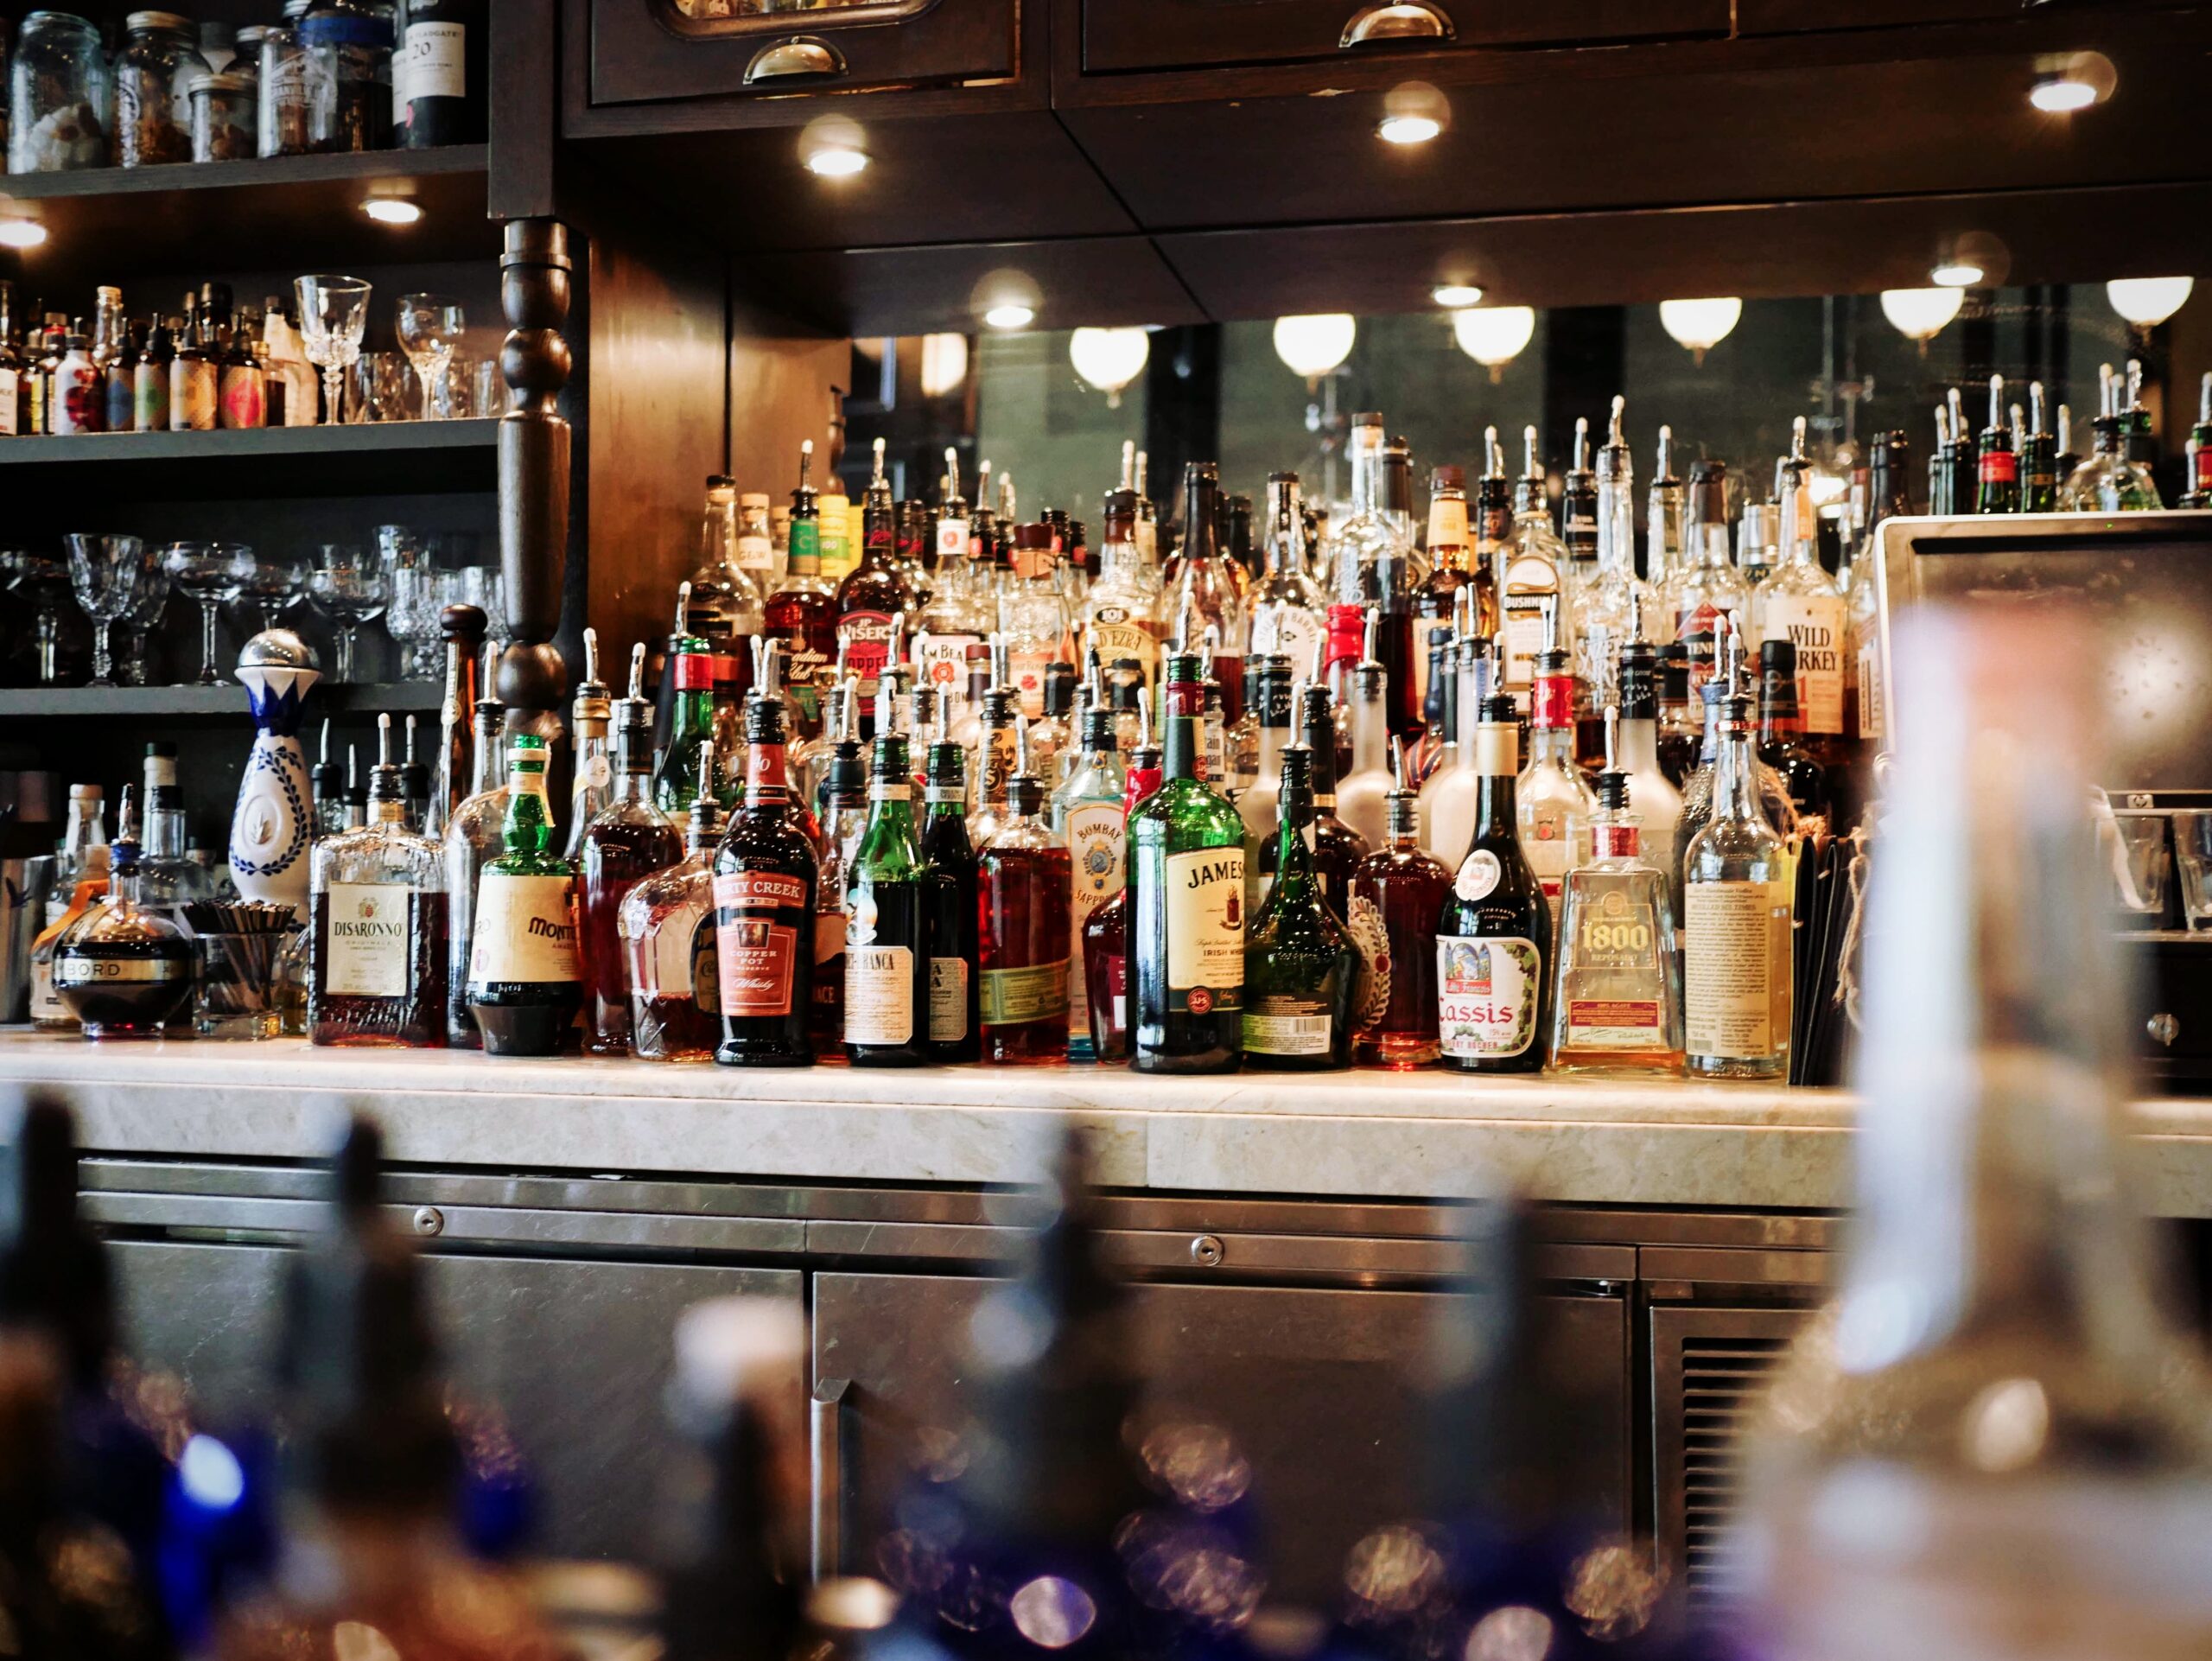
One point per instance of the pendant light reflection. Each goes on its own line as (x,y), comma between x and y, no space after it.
(945,364)
(2147,301)
(1494,335)
(1109,358)
(1701,325)
(1920,314)
(1314,344)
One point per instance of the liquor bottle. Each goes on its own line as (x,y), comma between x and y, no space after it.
(1208,590)
(119,381)
(1289,611)
(839,555)
(523,986)
(1033,619)
(1667,554)
(1709,590)
(1338,849)
(753,550)
(1258,801)
(1609,599)
(1185,919)
(1403,888)
(378,907)
(2199,494)
(1361,793)
(1779,723)
(1943,484)
(1553,807)
(1799,602)
(1105,932)
(168,878)
(766,891)
(80,884)
(1697,791)
(1966,459)
(886,933)
(1120,616)
(414,783)
(1888,498)
(2069,457)
(357,793)
(1452,566)
(948,900)
(875,597)
(1998,468)
(1490,976)
(1024,888)
(1532,574)
(844,815)
(77,402)
(993,756)
(241,388)
(591,716)
(149,376)
(953,619)
(440,69)
(2107,481)
(1680,729)
(1301,966)
(2039,1416)
(1051,736)
(53,343)
(1658,809)
(724,607)
(460,629)
(1493,532)
(1578,515)
(1369,546)
(666,926)
(195,381)
(626,841)
(803,612)
(124,971)
(1399,570)
(14,401)
(1090,819)
(326,789)
(1616,989)
(1739,889)
(1445,809)
(690,717)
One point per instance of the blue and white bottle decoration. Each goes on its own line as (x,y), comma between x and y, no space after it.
(274,822)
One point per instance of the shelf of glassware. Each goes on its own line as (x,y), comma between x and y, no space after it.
(372,458)
(175,702)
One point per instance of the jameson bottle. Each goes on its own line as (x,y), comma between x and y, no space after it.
(1186,920)
(886,923)
(1494,937)
(524,987)
(1301,966)
(766,874)
(955,1034)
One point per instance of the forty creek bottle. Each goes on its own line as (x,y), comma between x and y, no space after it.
(1300,966)
(1186,946)
(766,874)
(524,987)
(886,923)
(1494,938)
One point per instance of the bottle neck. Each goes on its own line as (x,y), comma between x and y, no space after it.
(1370,733)
(1735,784)
(1616,528)
(1366,475)
(1639,744)
(490,769)
(1496,764)
(1294,883)
(530,814)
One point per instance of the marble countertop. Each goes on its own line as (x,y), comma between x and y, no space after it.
(1665,1143)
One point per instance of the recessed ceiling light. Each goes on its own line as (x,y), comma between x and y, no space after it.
(2062,94)
(1408,129)
(1955,274)
(1009,314)
(837,161)
(391,210)
(1452,296)
(21,234)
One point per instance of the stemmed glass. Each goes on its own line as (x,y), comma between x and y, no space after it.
(211,573)
(419,595)
(138,622)
(429,325)
(269,583)
(109,575)
(351,591)
(44,581)
(333,311)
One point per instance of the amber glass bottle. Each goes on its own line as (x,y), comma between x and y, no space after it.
(1408,889)
(626,841)
(1023,880)
(765,894)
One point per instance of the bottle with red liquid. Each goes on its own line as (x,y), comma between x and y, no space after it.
(1023,885)
(1408,889)
(626,841)
(802,612)
(1105,932)
(875,597)
(1209,586)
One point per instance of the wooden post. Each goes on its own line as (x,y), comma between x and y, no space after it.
(536,285)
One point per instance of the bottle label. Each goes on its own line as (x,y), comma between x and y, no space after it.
(1478,875)
(756,554)
(757,957)
(192,406)
(525,929)
(365,948)
(1487,994)
(1545,845)
(242,396)
(1026,665)
(878,995)
(1096,835)
(1011,996)
(1728,970)
(1000,756)
(2000,467)
(1814,623)
(676,939)
(949,1000)
(941,661)
(951,540)
(1870,692)
(44,1006)
(1613,1024)
(865,638)
(75,970)
(1295,632)
(1528,579)
(432,62)
(1554,702)
(10,418)
(79,401)
(2201,464)
(1205,892)
(805,543)
(1700,629)
(1281,1024)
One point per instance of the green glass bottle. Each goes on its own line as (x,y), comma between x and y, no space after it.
(955,1022)
(1998,467)
(523,983)
(1186,950)
(886,923)
(1299,962)
(691,725)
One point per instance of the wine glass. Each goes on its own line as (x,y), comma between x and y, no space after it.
(211,573)
(429,325)
(351,591)
(109,573)
(268,583)
(44,582)
(334,310)
(139,620)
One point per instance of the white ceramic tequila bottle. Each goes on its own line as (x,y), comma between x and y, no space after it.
(274,821)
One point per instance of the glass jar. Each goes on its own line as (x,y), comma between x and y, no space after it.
(348,46)
(56,88)
(283,94)
(223,117)
(246,53)
(153,90)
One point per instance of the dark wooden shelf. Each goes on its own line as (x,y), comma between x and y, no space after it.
(385,456)
(163,704)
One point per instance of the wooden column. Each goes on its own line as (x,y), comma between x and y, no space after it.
(535,282)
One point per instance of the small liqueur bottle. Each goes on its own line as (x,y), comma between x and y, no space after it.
(667,924)
(955,1034)
(1407,889)
(377,904)
(875,597)
(1616,996)
(887,925)
(1738,898)
(1301,968)
(844,814)
(1105,932)
(522,981)
(591,785)
(1185,921)
(1779,748)
(1090,819)
(767,880)
(1492,951)
(803,612)
(125,971)
(626,841)
(1022,886)
(1208,586)
(690,721)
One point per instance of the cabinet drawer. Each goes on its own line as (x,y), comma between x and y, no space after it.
(644,50)
(1120,35)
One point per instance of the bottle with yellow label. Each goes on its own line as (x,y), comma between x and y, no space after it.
(1187,911)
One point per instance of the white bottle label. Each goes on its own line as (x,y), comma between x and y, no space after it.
(879,994)
(1870,692)
(756,554)
(1287,1027)
(1294,632)
(941,661)
(951,539)
(1478,875)
(1114,632)
(948,999)
(1728,970)
(1813,624)
(1487,994)
(364,946)
(525,929)
(1205,928)
(432,62)
(675,959)
(10,421)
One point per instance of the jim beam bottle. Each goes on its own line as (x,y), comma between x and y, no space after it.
(524,984)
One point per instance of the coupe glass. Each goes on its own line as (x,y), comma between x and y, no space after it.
(350,591)
(109,575)
(211,573)
(268,583)
(429,326)
(334,310)
(43,581)
(138,621)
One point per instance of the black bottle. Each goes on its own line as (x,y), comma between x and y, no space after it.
(1494,937)
(438,66)
(766,879)
(956,1031)
(1780,747)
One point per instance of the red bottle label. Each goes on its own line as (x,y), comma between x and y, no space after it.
(756,957)
(866,636)
(2204,468)
(695,673)
(1555,702)
(2000,467)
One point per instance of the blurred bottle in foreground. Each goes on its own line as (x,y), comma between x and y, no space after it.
(1995,1444)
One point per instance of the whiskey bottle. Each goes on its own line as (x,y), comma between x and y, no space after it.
(994,746)
(1105,932)
(1779,724)
(803,612)
(887,925)
(1800,602)
(1553,807)
(1492,951)
(1301,966)
(873,601)
(1737,900)
(524,985)
(767,882)
(1185,919)
(949,885)
(1023,882)
(1361,792)
(1090,819)
(667,924)
(1407,889)
(377,904)
(627,840)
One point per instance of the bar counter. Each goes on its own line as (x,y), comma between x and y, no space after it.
(1367,1135)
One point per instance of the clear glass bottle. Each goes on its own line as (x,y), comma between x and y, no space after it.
(1532,576)
(627,840)
(591,715)
(954,617)
(1608,608)
(1208,594)
(803,611)
(126,971)
(1301,968)
(2107,481)
(1553,805)
(1362,793)
(1023,890)
(1709,590)
(168,878)
(1738,890)
(1799,602)
(1290,613)
(471,841)
(1617,998)
(726,605)
(1033,619)
(1888,498)
(1119,617)
(1092,823)
(666,925)
(1697,789)
(1667,554)
(875,600)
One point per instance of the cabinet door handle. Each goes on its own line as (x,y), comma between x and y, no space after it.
(825,1451)
(800,55)
(1404,20)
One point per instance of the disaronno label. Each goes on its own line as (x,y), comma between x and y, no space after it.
(364,946)
(1205,929)
(1813,624)
(526,930)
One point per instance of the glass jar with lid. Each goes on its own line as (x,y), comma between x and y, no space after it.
(223,117)
(246,53)
(348,44)
(153,89)
(57,86)
(283,95)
